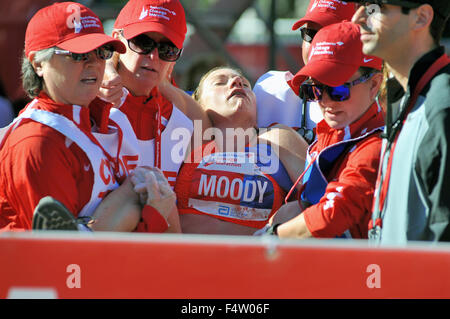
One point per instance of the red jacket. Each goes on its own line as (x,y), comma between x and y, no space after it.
(141,111)
(37,161)
(347,202)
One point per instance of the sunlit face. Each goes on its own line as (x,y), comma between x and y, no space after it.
(383,32)
(307,45)
(228,96)
(141,73)
(70,82)
(341,114)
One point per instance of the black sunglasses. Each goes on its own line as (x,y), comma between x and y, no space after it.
(308,34)
(142,44)
(314,92)
(104,52)
(401,3)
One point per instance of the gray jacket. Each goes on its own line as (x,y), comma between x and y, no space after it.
(417,204)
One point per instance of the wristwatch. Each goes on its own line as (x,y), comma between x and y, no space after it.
(273,230)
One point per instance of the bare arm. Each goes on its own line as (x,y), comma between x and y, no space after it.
(119,210)
(192,110)
(292,221)
(184,102)
(290,147)
(295,228)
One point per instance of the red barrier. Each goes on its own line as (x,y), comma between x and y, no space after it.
(181,266)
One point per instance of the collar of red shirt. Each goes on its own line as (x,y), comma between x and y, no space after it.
(98,111)
(371,119)
(142,110)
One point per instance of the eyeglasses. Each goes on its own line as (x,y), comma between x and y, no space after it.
(381,3)
(314,92)
(143,44)
(308,34)
(104,52)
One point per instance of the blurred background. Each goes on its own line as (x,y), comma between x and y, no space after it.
(252,35)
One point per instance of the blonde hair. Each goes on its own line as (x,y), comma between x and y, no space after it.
(199,90)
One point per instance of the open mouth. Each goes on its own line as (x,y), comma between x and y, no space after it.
(366,35)
(89,80)
(148,68)
(333,113)
(237,93)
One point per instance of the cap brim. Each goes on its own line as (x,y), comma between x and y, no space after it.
(328,73)
(88,42)
(321,19)
(132,30)
(299,23)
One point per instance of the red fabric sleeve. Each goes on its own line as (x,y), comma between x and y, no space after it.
(347,202)
(35,166)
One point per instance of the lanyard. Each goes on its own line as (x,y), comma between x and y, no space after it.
(383,181)
(119,146)
(158,139)
(114,161)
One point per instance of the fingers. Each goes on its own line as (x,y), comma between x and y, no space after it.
(111,88)
(166,190)
(111,95)
(159,175)
(169,72)
(139,174)
(139,187)
(167,78)
(151,184)
(111,79)
(153,190)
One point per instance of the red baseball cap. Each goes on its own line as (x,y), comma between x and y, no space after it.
(335,55)
(164,16)
(69,26)
(326,12)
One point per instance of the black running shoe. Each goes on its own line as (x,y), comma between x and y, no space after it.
(51,214)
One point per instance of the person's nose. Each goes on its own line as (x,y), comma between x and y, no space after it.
(360,16)
(92,58)
(154,54)
(326,101)
(236,82)
(306,46)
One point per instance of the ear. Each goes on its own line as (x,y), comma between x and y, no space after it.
(423,17)
(36,66)
(375,84)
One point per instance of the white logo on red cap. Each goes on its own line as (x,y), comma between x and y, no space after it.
(77,22)
(324,48)
(143,13)
(330,4)
(78,26)
(367,60)
(73,20)
(159,12)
